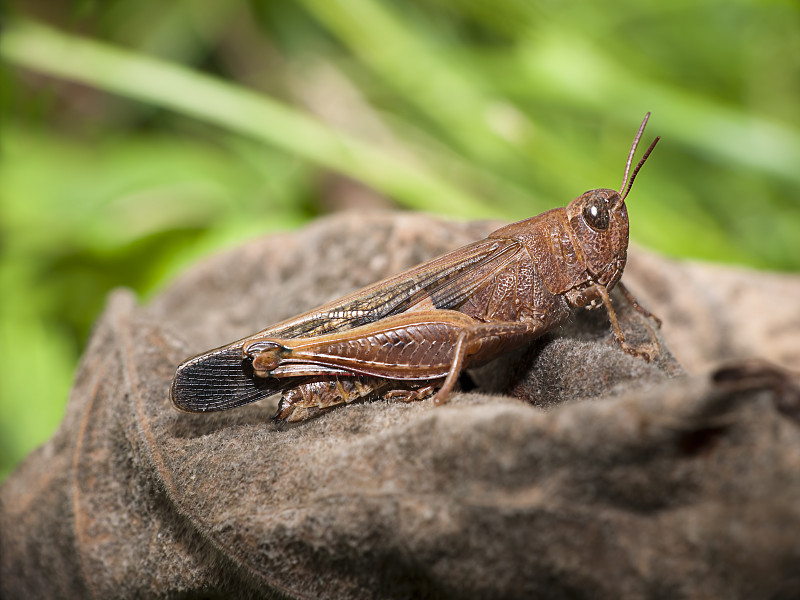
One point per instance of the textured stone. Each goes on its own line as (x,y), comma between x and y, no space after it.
(571,470)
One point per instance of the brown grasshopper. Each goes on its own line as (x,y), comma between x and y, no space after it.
(409,334)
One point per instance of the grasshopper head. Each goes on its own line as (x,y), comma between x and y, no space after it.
(599,221)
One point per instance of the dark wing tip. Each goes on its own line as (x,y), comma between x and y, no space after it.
(218,380)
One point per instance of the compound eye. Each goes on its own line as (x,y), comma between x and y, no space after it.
(595,214)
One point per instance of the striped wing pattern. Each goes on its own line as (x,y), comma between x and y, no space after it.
(220,379)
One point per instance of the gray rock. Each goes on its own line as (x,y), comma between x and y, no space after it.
(572,470)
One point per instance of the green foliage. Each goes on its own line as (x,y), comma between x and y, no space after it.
(172,129)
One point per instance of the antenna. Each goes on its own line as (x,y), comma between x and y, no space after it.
(639,166)
(630,159)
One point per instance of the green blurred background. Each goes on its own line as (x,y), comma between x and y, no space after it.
(139,136)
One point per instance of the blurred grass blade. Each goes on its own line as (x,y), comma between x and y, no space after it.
(111,69)
(565,70)
(448,93)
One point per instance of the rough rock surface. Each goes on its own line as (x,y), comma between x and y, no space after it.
(572,470)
